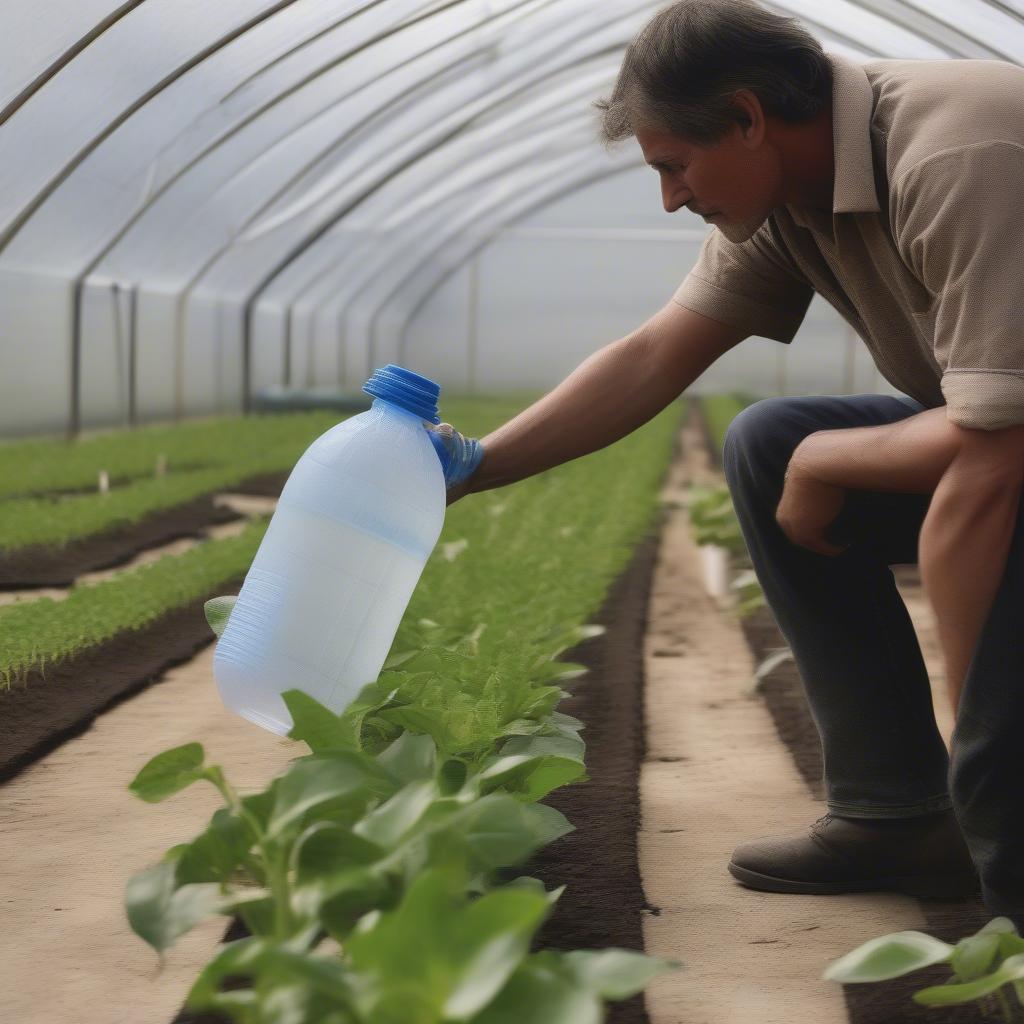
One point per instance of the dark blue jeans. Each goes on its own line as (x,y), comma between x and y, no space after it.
(858,656)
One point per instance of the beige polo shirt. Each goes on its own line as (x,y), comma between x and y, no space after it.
(923,252)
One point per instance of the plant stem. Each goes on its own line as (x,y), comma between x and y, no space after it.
(1008,1015)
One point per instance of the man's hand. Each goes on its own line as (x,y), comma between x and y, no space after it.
(460,457)
(808,507)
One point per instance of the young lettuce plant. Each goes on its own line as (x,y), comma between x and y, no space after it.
(341,839)
(982,965)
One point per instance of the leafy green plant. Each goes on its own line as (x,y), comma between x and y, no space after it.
(396,859)
(713,518)
(983,965)
(714,521)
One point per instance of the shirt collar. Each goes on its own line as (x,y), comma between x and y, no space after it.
(852,102)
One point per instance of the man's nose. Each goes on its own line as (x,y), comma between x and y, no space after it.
(673,196)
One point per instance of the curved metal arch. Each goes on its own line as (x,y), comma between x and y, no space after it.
(464,112)
(407,197)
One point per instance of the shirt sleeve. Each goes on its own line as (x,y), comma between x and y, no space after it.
(753,285)
(958,224)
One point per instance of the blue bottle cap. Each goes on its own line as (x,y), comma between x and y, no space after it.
(405,389)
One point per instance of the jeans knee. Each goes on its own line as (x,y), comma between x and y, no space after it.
(748,426)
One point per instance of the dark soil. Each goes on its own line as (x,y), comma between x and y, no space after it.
(603,903)
(42,566)
(54,706)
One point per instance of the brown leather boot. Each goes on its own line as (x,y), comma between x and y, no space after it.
(923,856)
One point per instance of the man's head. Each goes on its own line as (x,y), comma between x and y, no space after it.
(732,106)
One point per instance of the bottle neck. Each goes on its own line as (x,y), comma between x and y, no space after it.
(395,409)
(406,390)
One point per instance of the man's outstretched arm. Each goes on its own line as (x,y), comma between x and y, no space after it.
(976,477)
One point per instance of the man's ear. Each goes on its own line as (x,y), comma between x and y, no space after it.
(749,116)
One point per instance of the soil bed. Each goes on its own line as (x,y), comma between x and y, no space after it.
(41,566)
(45,711)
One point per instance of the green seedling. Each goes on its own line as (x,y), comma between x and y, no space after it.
(397,859)
(986,966)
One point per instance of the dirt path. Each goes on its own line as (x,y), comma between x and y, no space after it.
(717,775)
(71,835)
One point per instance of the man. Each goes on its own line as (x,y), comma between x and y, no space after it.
(894,189)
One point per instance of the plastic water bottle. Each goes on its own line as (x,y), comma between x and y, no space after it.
(355,524)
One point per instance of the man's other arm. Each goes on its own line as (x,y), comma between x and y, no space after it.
(609,395)
(976,477)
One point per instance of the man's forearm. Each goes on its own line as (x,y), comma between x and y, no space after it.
(909,456)
(962,551)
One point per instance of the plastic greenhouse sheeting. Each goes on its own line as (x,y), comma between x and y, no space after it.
(187,188)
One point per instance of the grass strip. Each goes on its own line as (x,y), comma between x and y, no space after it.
(40,464)
(513,560)
(54,523)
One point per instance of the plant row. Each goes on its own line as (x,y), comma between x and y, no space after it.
(372,874)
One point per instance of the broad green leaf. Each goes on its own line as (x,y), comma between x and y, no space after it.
(540,995)
(323,974)
(326,847)
(534,765)
(169,772)
(562,746)
(404,946)
(386,824)
(528,883)
(502,831)
(888,956)
(418,719)
(315,780)
(372,698)
(973,956)
(617,973)
(256,907)
(410,757)
(217,610)
(215,853)
(1001,925)
(159,913)
(235,958)
(543,702)
(1011,970)
(560,670)
(490,939)
(338,900)
(315,725)
(522,727)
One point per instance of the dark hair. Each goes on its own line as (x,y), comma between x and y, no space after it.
(678,75)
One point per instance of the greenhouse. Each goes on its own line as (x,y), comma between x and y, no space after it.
(511,512)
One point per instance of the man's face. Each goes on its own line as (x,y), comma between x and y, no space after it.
(733,184)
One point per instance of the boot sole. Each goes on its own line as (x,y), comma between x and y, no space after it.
(921,886)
